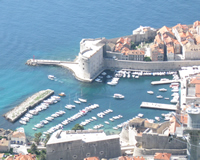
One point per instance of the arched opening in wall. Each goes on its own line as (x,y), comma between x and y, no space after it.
(101,152)
(88,155)
(75,156)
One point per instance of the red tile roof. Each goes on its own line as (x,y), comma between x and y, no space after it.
(120,40)
(118,47)
(17,134)
(163,30)
(127,41)
(125,50)
(173,125)
(170,49)
(25,157)
(197,39)
(138,158)
(162,156)
(184,118)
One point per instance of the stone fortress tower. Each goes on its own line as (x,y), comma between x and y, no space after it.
(90,59)
(193,129)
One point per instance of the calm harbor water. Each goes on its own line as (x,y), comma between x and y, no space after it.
(53,30)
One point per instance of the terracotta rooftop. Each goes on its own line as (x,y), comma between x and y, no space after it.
(125,158)
(17,134)
(91,158)
(120,40)
(162,156)
(195,80)
(173,125)
(197,90)
(25,157)
(163,30)
(127,41)
(184,118)
(125,50)
(9,158)
(118,47)
(181,27)
(158,39)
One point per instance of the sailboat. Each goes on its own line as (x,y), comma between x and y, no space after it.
(70,106)
(77,101)
(81,99)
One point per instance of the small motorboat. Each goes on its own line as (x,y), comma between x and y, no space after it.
(62,94)
(159,96)
(150,92)
(51,77)
(118,96)
(162,89)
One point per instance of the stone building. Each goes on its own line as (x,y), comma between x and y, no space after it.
(18,137)
(4,145)
(71,145)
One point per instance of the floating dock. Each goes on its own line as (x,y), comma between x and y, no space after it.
(30,102)
(158,106)
(164,82)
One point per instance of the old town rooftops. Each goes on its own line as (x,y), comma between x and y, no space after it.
(86,136)
(162,156)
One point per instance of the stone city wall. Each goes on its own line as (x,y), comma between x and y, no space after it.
(77,149)
(137,38)
(148,66)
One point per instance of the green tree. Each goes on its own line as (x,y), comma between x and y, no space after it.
(42,156)
(147,59)
(78,127)
(33,148)
(37,137)
(47,139)
(133,46)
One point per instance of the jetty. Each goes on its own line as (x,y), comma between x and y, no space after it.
(158,106)
(30,102)
(164,82)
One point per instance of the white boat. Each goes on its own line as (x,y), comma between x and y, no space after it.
(51,77)
(62,94)
(103,73)
(34,128)
(140,115)
(150,92)
(136,76)
(98,80)
(106,122)
(164,79)
(112,83)
(157,118)
(76,101)
(162,89)
(175,90)
(115,128)
(118,96)
(111,119)
(175,94)
(22,122)
(82,100)
(108,76)
(159,96)
(167,98)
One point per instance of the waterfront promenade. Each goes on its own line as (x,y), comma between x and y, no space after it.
(158,106)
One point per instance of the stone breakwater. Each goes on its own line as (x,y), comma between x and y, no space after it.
(30,102)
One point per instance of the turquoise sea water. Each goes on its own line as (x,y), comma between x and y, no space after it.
(53,30)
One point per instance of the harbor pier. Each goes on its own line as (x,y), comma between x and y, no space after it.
(158,106)
(14,114)
(164,82)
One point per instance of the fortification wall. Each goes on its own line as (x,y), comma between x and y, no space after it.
(149,66)
(142,151)
(159,141)
(137,38)
(78,149)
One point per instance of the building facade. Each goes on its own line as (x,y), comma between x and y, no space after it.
(71,145)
